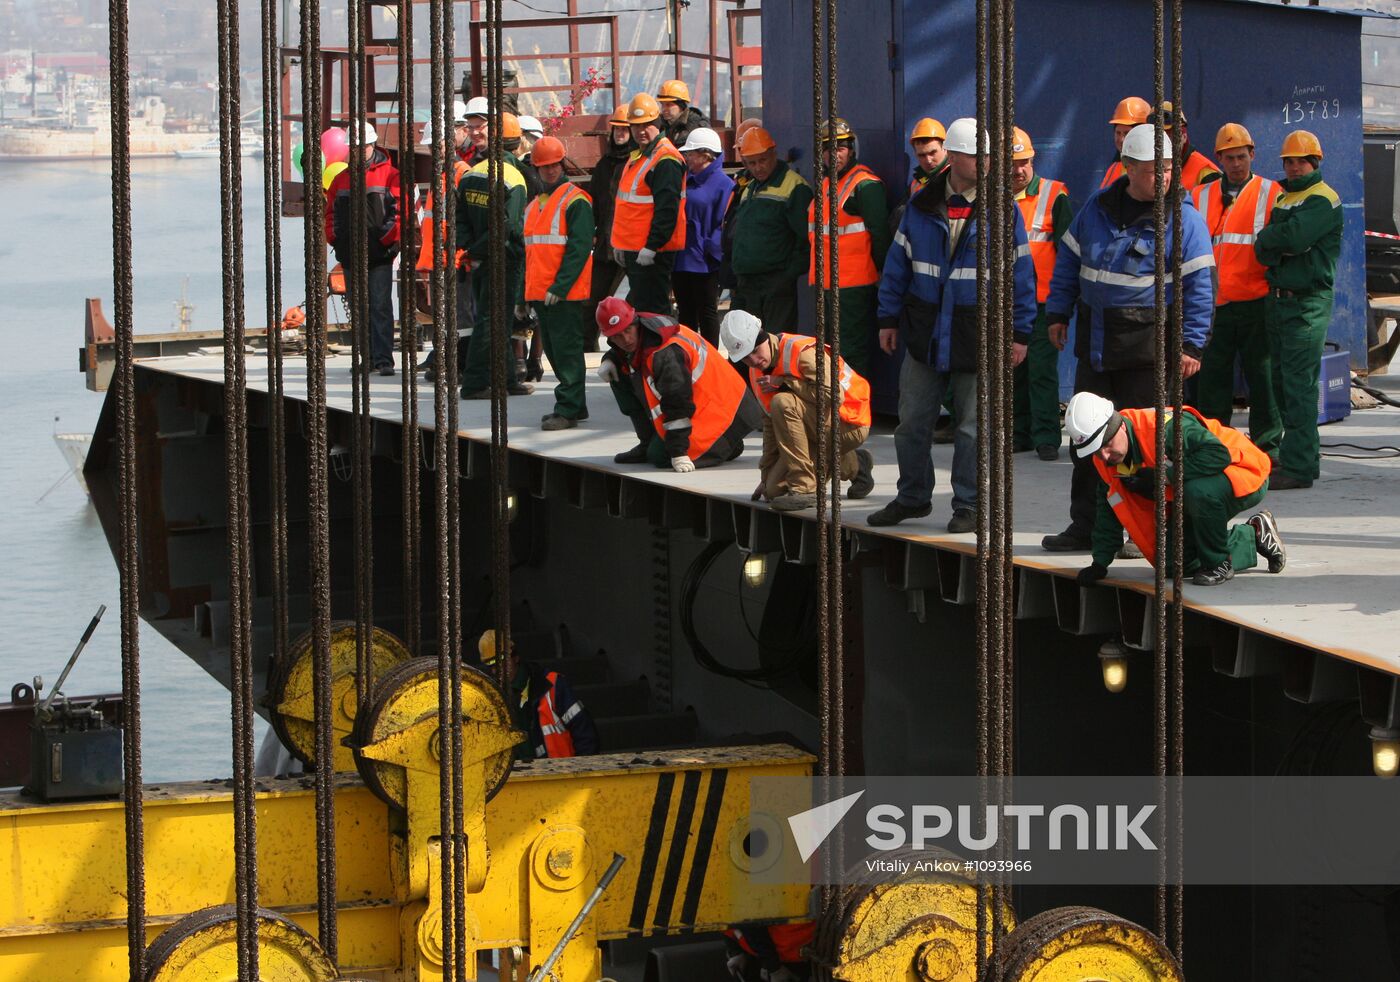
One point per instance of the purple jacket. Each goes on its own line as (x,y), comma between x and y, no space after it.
(706,198)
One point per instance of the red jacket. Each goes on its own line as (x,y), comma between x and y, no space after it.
(382,211)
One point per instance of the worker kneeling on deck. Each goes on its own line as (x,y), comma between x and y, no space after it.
(544,705)
(783,375)
(688,408)
(1223,475)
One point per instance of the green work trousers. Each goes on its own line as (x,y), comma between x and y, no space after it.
(1297,332)
(1210,504)
(562,327)
(857,325)
(1037,391)
(636,409)
(649,287)
(1240,331)
(476,375)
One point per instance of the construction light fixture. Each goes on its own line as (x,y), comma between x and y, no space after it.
(1113,661)
(1385,751)
(512,506)
(755,569)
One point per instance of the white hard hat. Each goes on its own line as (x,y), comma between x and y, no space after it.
(962,137)
(1137,145)
(478,106)
(371,137)
(1089,420)
(738,334)
(703,138)
(427,140)
(529,124)
(459,111)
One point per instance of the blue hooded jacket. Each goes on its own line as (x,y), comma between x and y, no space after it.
(706,198)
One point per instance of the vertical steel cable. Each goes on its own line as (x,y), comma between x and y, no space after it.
(1008,271)
(834,637)
(236,468)
(318,473)
(1160,354)
(1177,658)
(128,562)
(984,466)
(411,445)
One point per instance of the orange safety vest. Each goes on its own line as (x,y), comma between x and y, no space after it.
(855,391)
(1115,171)
(857,261)
(426,215)
(632,207)
(787,939)
(554,725)
(1197,167)
(546,235)
(1038,214)
(717,391)
(1232,232)
(1248,469)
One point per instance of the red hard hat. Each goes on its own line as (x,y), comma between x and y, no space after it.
(614,316)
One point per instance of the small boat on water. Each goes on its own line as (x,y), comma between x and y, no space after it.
(252,146)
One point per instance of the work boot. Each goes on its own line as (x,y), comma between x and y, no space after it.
(641,425)
(894,513)
(1267,541)
(1129,550)
(1065,541)
(1048,451)
(794,501)
(385,370)
(556,422)
(578,419)
(1279,481)
(864,481)
(963,520)
(1216,576)
(637,455)
(519,389)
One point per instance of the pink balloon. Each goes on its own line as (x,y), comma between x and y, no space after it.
(335,145)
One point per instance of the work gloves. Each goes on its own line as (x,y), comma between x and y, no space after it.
(646,257)
(682,464)
(619,257)
(551,298)
(1091,574)
(522,312)
(608,372)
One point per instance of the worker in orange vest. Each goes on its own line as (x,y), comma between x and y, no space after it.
(558,275)
(1127,114)
(1222,473)
(1046,211)
(431,213)
(770,952)
(1235,208)
(860,240)
(689,408)
(783,376)
(648,227)
(1194,168)
(544,707)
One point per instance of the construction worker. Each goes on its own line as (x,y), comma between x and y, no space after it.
(474,234)
(1222,475)
(1194,168)
(1046,211)
(1236,208)
(478,114)
(432,212)
(707,191)
(379,238)
(688,408)
(1299,246)
(1130,112)
(768,233)
(544,706)
(861,238)
(769,952)
(742,179)
(928,297)
(558,274)
(931,156)
(602,188)
(1105,270)
(530,131)
(783,377)
(678,116)
(649,213)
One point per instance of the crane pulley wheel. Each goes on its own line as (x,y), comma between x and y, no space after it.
(203,946)
(1069,944)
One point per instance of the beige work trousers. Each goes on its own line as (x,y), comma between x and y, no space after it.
(794,429)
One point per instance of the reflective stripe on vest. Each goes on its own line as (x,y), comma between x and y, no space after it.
(1248,469)
(1232,232)
(634,205)
(546,236)
(1038,214)
(558,742)
(855,390)
(856,262)
(716,392)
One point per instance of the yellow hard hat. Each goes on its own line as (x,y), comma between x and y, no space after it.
(674,90)
(619,116)
(928,128)
(1021,146)
(1233,136)
(1301,143)
(642,109)
(1130,112)
(510,126)
(836,128)
(1170,116)
(486,646)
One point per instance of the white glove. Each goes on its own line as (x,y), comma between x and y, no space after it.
(522,312)
(738,966)
(608,372)
(682,464)
(781,974)
(619,257)
(551,298)
(646,257)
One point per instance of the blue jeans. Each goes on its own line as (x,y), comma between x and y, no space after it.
(381,313)
(921,391)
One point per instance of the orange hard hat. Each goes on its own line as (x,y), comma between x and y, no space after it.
(294,318)
(1170,116)
(744,126)
(614,316)
(755,141)
(1232,136)
(673,90)
(1130,112)
(1301,143)
(510,126)
(619,116)
(1021,146)
(928,128)
(547,150)
(642,109)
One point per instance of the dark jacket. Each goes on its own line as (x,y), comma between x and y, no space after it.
(691,119)
(706,196)
(1303,239)
(382,212)
(602,188)
(670,375)
(525,703)
(767,225)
